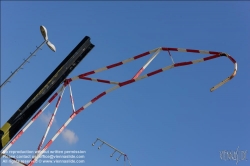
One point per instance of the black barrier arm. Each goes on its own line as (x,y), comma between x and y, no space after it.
(42,93)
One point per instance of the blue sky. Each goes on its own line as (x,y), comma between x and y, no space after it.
(169,119)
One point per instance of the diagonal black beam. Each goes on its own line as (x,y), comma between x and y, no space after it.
(43,92)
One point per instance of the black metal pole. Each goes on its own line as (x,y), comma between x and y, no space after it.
(43,92)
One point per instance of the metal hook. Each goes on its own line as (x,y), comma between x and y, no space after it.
(119,157)
(112,154)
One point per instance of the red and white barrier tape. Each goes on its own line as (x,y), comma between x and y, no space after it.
(137,77)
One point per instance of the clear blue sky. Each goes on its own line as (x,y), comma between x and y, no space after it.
(169,119)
